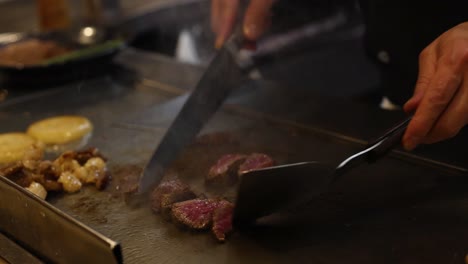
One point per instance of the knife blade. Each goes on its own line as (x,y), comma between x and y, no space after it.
(225,73)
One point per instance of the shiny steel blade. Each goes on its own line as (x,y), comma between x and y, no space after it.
(222,76)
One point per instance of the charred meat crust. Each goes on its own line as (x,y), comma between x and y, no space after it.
(194,214)
(169,199)
(222,220)
(174,200)
(166,187)
(224,172)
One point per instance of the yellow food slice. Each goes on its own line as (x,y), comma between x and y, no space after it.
(60,129)
(13,146)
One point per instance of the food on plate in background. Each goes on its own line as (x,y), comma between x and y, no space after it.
(53,14)
(68,173)
(61,132)
(30,52)
(13,146)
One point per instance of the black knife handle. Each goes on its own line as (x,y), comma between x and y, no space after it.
(388,141)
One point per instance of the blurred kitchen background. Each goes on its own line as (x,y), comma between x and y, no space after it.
(319,47)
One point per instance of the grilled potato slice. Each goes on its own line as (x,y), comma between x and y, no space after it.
(60,129)
(13,146)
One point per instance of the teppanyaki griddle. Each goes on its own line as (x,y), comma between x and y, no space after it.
(396,211)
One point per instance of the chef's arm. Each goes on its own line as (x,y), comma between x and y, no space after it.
(440,100)
(224,14)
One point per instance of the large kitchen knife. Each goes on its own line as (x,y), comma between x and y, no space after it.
(224,73)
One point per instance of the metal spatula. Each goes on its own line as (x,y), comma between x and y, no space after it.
(263,192)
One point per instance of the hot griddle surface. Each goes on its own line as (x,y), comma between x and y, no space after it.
(391,212)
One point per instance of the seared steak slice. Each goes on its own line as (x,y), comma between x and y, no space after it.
(222,220)
(167,200)
(255,161)
(167,187)
(195,214)
(224,172)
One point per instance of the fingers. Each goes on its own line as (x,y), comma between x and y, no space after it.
(438,94)
(224,14)
(427,66)
(215,15)
(257,18)
(453,119)
(226,19)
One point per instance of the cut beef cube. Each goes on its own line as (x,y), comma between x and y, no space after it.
(167,187)
(167,200)
(224,172)
(222,220)
(255,161)
(195,214)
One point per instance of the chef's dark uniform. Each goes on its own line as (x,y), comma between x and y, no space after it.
(398,30)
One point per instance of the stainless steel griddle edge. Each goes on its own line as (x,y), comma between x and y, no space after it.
(49,232)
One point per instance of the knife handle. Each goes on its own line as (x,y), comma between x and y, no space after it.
(382,145)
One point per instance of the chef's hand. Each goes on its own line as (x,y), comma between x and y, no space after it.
(224,15)
(440,99)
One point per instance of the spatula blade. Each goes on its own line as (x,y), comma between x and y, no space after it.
(263,192)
